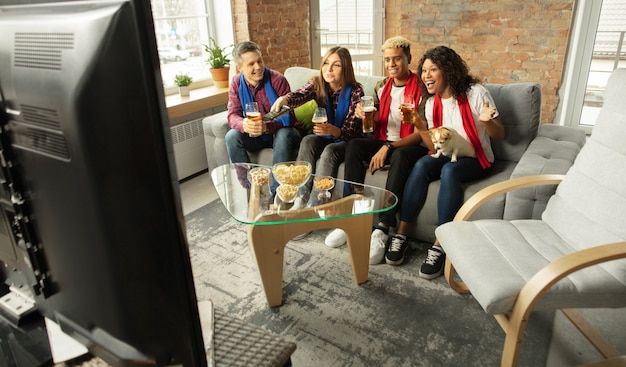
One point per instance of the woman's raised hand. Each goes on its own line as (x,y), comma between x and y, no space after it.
(280,101)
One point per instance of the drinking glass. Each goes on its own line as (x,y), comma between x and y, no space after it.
(253,114)
(367,103)
(320,116)
(408,109)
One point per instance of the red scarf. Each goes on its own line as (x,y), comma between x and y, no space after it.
(411,88)
(468,125)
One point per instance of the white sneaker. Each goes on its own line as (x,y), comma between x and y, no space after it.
(335,238)
(378,244)
(297,204)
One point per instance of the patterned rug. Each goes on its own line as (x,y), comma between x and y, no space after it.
(394,319)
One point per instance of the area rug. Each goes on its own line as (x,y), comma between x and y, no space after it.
(394,319)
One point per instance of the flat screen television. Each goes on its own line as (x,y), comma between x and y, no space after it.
(91,226)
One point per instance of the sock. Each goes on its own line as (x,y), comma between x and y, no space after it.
(401,236)
(438,247)
(383,227)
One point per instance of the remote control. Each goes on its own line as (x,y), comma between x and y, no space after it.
(273,115)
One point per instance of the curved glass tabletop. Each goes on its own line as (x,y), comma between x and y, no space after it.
(250,199)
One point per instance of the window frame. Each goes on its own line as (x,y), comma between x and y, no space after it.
(217,24)
(576,71)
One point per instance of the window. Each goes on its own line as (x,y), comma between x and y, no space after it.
(608,54)
(596,48)
(182,27)
(355,25)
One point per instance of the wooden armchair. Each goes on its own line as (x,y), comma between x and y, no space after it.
(514,323)
(574,257)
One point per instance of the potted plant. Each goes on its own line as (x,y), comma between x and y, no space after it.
(183,80)
(219,63)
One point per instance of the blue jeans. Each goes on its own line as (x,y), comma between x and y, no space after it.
(325,151)
(284,142)
(452,175)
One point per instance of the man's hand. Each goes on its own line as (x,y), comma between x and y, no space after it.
(378,160)
(253,128)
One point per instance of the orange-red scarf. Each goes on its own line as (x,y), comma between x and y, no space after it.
(411,88)
(468,125)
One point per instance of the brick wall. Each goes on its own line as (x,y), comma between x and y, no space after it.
(281,29)
(502,41)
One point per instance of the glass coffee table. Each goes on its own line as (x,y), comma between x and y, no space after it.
(273,221)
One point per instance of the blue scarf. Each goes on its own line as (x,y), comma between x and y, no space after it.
(343,104)
(245,96)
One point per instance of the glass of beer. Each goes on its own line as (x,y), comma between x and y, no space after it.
(408,109)
(319,117)
(253,114)
(367,103)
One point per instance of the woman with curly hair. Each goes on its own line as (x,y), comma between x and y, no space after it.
(459,102)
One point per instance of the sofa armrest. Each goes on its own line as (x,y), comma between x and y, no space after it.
(215,128)
(484,195)
(216,125)
(552,151)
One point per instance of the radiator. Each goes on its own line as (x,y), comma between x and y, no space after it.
(189,152)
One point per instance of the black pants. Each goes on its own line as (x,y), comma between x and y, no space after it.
(359,152)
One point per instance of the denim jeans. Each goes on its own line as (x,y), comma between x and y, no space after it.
(325,151)
(359,152)
(452,175)
(284,142)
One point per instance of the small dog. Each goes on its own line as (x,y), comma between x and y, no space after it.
(448,142)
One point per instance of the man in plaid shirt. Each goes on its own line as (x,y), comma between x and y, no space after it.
(257,83)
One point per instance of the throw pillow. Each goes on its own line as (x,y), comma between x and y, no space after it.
(304,114)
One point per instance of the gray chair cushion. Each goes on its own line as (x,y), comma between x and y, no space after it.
(589,207)
(495,258)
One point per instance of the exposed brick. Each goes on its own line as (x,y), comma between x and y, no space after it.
(502,41)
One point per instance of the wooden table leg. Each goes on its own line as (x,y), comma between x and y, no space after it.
(268,247)
(358,231)
(267,243)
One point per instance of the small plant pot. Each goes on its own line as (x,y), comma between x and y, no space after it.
(220,77)
(184,91)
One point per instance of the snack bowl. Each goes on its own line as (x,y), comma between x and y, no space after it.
(259,176)
(323,183)
(292,173)
(287,192)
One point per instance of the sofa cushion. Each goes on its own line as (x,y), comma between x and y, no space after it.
(297,76)
(519,105)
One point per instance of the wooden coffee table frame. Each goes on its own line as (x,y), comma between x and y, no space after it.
(267,241)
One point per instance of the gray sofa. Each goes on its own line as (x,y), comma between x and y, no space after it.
(527,149)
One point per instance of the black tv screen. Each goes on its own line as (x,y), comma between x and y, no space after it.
(91,223)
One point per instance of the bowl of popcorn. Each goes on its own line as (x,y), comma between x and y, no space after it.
(259,176)
(287,192)
(294,173)
(323,183)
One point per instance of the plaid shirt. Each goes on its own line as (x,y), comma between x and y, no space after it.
(235,109)
(351,126)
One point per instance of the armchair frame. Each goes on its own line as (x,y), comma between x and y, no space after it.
(514,323)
